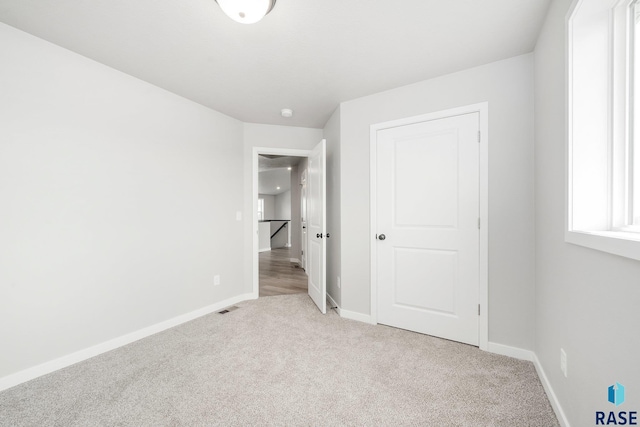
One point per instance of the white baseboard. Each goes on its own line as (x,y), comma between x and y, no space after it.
(553,399)
(294,260)
(352,315)
(264,249)
(87,353)
(366,318)
(515,352)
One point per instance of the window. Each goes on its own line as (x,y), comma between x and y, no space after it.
(260,209)
(635,146)
(603,131)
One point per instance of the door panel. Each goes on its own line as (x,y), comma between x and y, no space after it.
(316,239)
(417,162)
(425,279)
(427,206)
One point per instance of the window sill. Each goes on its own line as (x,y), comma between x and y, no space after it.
(626,244)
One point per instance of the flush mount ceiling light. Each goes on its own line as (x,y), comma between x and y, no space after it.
(286,112)
(246,11)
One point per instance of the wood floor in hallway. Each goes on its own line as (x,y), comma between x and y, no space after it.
(278,275)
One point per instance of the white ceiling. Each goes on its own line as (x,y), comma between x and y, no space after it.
(267,162)
(274,173)
(270,180)
(308,55)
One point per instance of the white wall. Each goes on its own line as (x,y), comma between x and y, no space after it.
(281,238)
(269,206)
(334,254)
(283,211)
(272,136)
(283,205)
(264,236)
(508,87)
(587,301)
(295,226)
(111,218)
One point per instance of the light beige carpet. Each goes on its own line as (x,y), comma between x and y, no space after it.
(278,361)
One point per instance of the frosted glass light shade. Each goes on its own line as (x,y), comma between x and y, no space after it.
(246,11)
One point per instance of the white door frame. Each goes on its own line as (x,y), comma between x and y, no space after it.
(254,203)
(483,291)
(304,235)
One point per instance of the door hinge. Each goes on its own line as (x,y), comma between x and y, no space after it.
(479,137)
(478,223)
(478,309)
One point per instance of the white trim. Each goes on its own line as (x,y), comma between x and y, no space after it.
(515,352)
(28,374)
(551,395)
(373,220)
(483,290)
(606,237)
(568,42)
(295,260)
(254,202)
(352,315)
(264,250)
(614,242)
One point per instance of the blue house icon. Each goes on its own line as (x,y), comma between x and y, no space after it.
(616,394)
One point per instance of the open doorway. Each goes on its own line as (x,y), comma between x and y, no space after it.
(316,224)
(281,224)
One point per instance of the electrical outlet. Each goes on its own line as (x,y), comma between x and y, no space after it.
(239,216)
(563,362)
(216,280)
(338,282)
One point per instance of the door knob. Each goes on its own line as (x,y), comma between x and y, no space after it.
(381,237)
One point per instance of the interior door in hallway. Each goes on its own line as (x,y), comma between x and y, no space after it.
(317,225)
(427,214)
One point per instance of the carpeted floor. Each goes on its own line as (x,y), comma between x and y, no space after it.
(278,361)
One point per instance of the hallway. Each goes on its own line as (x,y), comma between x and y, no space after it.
(279,276)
